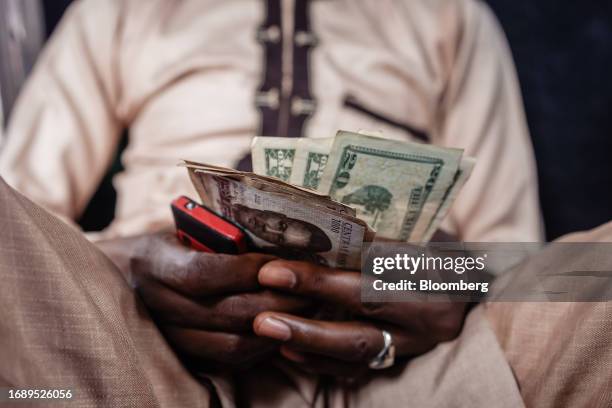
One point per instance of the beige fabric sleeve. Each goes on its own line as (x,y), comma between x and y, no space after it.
(482,112)
(64,130)
(68,319)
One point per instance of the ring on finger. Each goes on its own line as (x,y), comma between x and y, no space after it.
(386,357)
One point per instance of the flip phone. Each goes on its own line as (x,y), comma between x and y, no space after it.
(203,230)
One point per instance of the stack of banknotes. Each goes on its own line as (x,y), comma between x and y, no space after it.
(321,199)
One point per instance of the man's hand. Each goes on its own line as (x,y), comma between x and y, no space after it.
(204,304)
(345,348)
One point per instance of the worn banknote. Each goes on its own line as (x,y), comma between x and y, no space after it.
(463,174)
(310,159)
(272,185)
(274,156)
(279,221)
(397,187)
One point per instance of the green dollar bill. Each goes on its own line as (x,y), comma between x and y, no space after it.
(310,161)
(274,156)
(463,174)
(394,185)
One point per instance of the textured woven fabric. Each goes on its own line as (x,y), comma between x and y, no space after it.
(69,320)
(561,353)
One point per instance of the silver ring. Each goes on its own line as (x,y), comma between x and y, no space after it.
(386,357)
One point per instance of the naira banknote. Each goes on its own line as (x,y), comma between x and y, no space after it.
(270,184)
(278,223)
(395,186)
(274,156)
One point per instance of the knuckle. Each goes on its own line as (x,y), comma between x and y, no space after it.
(237,312)
(233,346)
(361,347)
(193,271)
(309,278)
(200,270)
(236,304)
(201,263)
(204,272)
(235,350)
(247,266)
(317,281)
(253,259)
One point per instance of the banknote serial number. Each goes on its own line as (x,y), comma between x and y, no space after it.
(9,394)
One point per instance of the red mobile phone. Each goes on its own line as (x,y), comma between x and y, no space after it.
(203,230)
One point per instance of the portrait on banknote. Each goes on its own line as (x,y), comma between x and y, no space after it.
(281,230)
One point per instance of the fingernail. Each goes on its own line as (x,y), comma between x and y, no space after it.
(274,328)
(277,276)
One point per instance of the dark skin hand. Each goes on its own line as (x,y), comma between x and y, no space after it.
(204,304)
(207,306)
(344,348)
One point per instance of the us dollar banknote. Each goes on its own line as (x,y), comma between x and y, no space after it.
(463,174)
(306,157)
(274,156)
(310,160)
(279,222)
(395,186)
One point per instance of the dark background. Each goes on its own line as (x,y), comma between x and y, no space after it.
(563,54)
